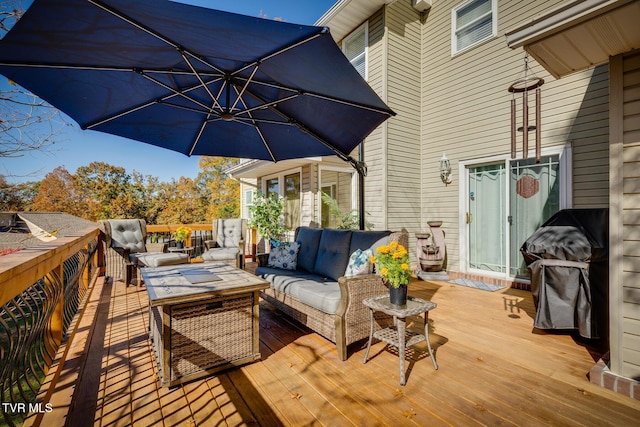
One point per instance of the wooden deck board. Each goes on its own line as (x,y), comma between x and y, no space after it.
(495,369)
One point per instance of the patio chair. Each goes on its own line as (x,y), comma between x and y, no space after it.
(126,249)
(228,243)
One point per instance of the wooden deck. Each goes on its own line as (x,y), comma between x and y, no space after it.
(495,369)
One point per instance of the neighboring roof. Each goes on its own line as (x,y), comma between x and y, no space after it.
(580,34)
(347,15)
(26,229)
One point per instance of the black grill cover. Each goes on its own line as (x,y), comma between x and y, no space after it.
(568,259)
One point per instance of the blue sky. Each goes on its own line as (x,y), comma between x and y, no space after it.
(74,147)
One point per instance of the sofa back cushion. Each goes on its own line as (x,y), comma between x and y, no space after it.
(333,253)
(309,239)
(365,239)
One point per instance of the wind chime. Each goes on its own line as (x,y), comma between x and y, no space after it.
(524,85)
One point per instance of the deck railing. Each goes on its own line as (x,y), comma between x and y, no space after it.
(41,290)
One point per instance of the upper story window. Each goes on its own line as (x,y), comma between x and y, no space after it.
(354,47)
(473,22)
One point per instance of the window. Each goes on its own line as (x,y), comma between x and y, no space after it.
(472,23)
(339,185)
(354,47)
(287,185)
(248,202)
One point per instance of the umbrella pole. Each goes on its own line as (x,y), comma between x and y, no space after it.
(361,167)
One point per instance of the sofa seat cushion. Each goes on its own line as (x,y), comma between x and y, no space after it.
(310,289)
(220,254)
(155,259)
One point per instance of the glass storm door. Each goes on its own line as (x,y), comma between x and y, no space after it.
(486,218)
(534,198)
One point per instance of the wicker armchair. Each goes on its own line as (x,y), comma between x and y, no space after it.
(125,244)
(228,243)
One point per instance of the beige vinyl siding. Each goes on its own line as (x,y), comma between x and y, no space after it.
(403,135)
(466,110)
(631,217)
(375,144)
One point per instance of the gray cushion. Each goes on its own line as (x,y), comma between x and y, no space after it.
(309,239)
(155,259)
(333,253)
(364,239)
(229,233)
(220,254)
(309,289)
(127,233)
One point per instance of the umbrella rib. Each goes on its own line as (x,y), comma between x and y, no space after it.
(268,104)
(246,84)
(329,98)
(303,128)
(160,100)
(178,92)
(279,51)
(197,140)
(197,75)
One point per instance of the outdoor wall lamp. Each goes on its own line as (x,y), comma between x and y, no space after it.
(445,170)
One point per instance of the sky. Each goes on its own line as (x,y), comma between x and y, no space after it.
(74,147)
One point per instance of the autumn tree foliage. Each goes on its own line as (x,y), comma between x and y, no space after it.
(222,192)
(59,192)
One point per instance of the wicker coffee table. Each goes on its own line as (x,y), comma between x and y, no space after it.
(203,318)
(397,335)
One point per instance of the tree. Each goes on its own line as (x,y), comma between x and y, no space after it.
(58,192)
(27,123)
(182,203)
(221,193)
(105,184)
(17,197)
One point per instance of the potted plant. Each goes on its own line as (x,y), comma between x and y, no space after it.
(392,263)
(181,235)
(266,216)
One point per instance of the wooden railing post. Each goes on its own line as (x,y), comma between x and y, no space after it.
(57,319)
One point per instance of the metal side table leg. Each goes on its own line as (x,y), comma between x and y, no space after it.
(366,354)
(401,327)
(426,336)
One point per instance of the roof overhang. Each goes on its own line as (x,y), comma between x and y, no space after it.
(580,34)
(346,15)
(258,168)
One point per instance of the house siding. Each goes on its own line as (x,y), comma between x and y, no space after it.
(375,143)
(629,316)
(403,135)
(465,113)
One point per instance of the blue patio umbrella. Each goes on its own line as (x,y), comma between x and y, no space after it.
(193,80)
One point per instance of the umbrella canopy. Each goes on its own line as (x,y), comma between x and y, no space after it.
(193,80)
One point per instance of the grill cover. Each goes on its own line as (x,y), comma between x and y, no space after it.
(569,264)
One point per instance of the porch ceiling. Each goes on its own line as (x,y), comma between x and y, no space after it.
(346,15)
(580,34)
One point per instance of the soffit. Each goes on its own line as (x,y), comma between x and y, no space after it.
(346,15)
(580,34)
(258,168)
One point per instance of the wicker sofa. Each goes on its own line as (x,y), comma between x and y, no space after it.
(317,293)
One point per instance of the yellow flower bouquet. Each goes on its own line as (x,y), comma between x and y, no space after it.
(182,233)
(392,263)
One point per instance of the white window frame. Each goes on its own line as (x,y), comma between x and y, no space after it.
(354,186)
(454,15)
(280,176)
(355,33)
